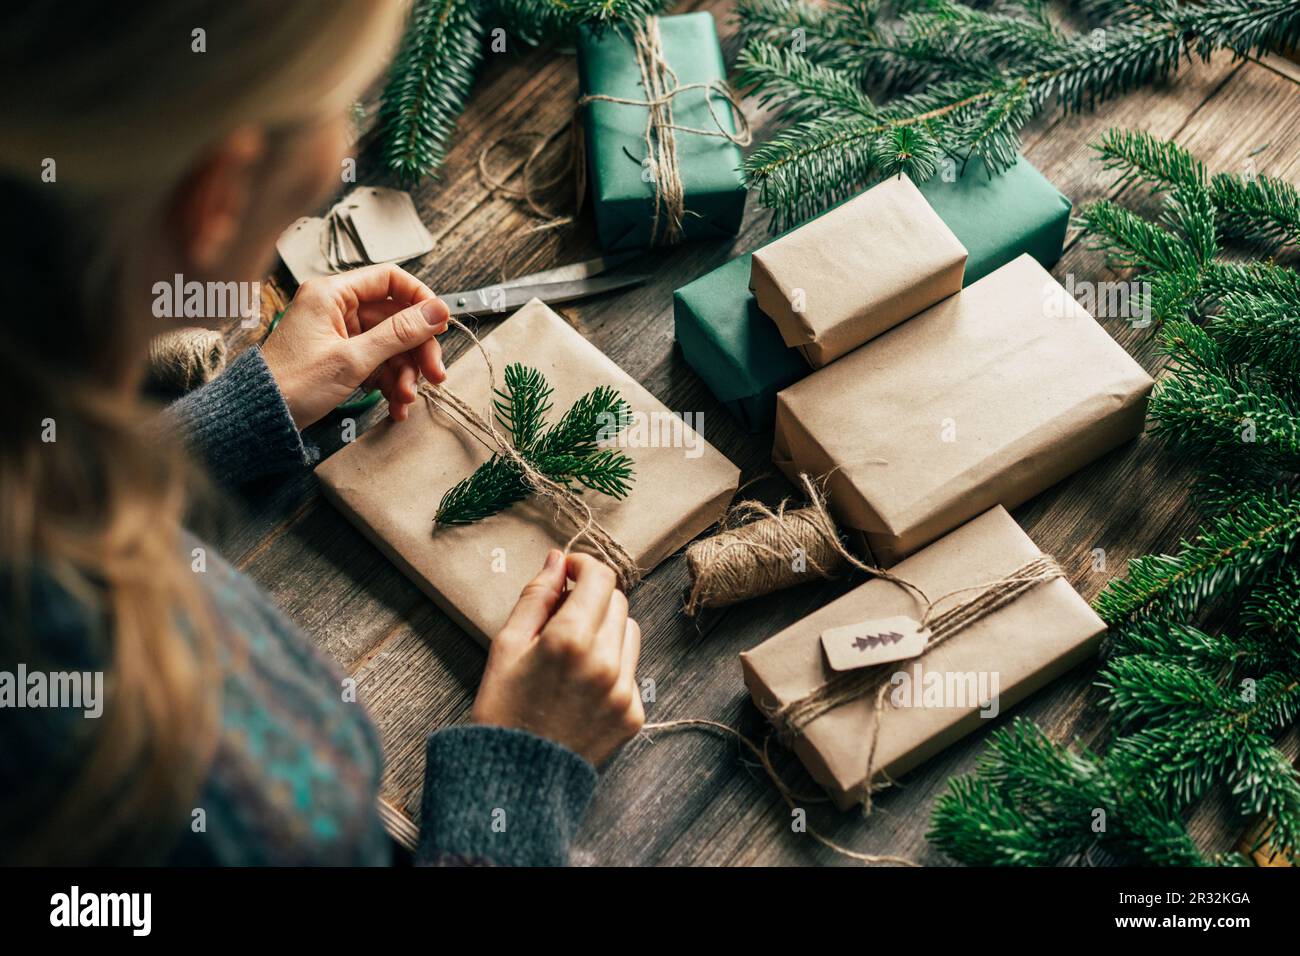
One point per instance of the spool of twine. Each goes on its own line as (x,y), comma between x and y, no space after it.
(184,359)
(775,549)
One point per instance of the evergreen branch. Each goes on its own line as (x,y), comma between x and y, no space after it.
(568,452)
(799,87)
(1230,550)
(428,84)
(1260,210)
(1014,67)
(1031,802)
(540,22)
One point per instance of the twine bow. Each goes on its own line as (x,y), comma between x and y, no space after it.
(566,504)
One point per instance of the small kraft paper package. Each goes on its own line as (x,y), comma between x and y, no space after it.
(981,669)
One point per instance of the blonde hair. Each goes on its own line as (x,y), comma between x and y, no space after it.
(123,101)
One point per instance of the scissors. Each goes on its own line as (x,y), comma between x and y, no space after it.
(553,286)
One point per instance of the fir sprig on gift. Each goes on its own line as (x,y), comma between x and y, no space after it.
(1194,705)
(445,41)
(967,80)
(568,452)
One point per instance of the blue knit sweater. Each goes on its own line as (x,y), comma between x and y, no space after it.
(296,771)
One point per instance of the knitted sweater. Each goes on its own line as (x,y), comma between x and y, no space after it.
(295,776)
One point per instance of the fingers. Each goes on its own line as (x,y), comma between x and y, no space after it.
(537,602)
(401,332)
(375,283)
(578,622)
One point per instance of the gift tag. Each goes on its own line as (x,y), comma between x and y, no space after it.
(300,248)
(877,641)
(387,225)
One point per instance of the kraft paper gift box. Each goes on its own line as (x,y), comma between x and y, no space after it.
(856,271)
(986,398)
(739,352)
(390,480)
(986,667)
(615,134)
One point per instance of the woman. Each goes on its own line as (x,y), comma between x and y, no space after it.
(146,140)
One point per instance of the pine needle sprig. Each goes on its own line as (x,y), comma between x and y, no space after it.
(569,452)
(428,83)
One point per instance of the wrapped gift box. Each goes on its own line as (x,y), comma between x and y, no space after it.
(984,669)
(987,398)
(856,271)
(615,134)
(740,354)
(390,480)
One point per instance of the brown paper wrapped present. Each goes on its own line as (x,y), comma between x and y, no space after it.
(987,398)
(982,669)
(856,271)
(389,481)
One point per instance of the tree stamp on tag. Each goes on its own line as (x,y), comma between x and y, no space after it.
(876,641)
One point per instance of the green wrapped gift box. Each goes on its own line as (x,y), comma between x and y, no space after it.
(739,352)
(615,134)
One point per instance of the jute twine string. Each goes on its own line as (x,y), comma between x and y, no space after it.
(846,686)
(565,503)
(791,799)
(659,80)
(183,359)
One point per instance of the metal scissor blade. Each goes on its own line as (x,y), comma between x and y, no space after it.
(574,270)
(505,298)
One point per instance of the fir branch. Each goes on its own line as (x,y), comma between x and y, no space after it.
(801,88)
(428,84)
(540,22)
(1231,550)
(1258,210)
(1031,802)
(998,70)
(569,452)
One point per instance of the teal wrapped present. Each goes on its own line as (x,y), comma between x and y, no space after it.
(739,352)
(708,163)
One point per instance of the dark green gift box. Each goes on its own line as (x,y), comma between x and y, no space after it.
(615,133)
(738,351)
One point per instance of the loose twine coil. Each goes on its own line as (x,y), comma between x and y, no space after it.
(183,359)
(662,87)
(566,504)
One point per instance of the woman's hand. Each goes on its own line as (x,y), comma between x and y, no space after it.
(564,665)
(371,327)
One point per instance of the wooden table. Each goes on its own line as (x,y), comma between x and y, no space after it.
(690,797)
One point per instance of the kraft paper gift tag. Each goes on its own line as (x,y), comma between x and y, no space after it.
(987,398)
(390,480)
(371,224)
(856,271)
(984,669)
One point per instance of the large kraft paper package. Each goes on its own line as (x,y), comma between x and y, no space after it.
(987,398)
(1008,654)
(856,271)
(389,481)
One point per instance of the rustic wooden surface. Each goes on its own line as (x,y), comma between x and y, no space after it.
(690,797)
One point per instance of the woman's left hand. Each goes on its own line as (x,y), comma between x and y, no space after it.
(372,327)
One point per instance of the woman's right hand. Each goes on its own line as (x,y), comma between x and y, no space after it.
(564,665)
